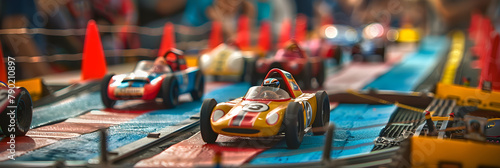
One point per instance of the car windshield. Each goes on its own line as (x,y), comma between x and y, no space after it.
(149,67)
(266,92)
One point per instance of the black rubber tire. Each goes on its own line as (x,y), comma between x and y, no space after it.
(322,117)
(108,103)
(23,115)
(245,71)
(381,52)
(254,75)
(216,78)
(306,77)
(207,133)
(170,92)
(338,55)
(294,125)
(320,78)
(199,86)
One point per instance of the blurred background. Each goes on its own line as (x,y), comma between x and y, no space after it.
(47,35)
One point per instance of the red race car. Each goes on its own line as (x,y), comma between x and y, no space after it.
(294,60)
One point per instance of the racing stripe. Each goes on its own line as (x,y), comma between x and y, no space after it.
(74,134)
(238,118)
(249,119)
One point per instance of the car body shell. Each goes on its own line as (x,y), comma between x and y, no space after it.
(290,61)
(224,60)
(141,84)
(240,119)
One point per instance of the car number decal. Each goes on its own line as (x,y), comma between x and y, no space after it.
(255,107)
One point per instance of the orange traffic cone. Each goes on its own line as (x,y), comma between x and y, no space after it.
(243,34)
(167,40)
(493,71)
(93,60)
(215,35)
(3,68)
(286,27)
(300,28)
(265,36)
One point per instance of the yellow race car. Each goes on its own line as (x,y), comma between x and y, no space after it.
(226,60)
(276,107)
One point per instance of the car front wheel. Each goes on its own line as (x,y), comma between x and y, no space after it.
(170,92)
(207,133)
(108,102)
(294,125)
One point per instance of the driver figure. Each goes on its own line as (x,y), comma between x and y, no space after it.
(159,65)
(270,94)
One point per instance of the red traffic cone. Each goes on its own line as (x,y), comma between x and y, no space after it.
(494,63)
(215,35)
(300,28)
(3,68)
(286,27)
(93,60)
(167,40)
(265,36)
(243,34)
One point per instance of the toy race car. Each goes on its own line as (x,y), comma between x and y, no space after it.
(151,80)
(322,48)
(17,110)
(225,60)
(294,60)
(277,106)
(368,42)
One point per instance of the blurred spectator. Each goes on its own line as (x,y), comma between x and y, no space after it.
(55,14)
(227,13)
(24,14)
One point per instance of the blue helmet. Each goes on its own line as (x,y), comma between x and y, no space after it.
(272,82)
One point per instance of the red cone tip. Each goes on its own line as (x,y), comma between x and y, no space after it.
(301,27)
(243,34)
(215,35)
(167,40)
(427,112)
(3,69)
(265,36)
(286,27)
(93,60)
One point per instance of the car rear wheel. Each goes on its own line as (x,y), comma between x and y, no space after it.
(254,75)
(320,78)
(294,125)
(170,92)
(305,77)
(199,86)
(244,71)
(108,102)
(23,115)
(322,117)
(207,133)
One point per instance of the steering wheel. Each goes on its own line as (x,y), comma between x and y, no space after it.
(269,95)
